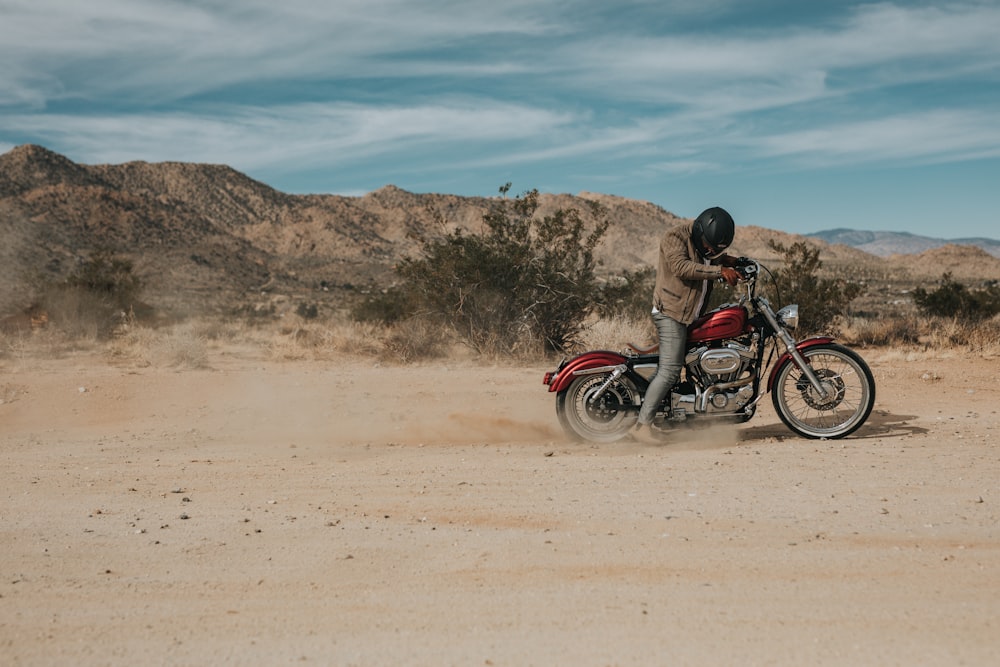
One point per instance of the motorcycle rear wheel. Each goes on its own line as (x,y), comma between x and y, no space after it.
(849,397)
(608,419)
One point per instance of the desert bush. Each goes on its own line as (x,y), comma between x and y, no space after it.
(108,276)
(93,301)
(979,335)
(415,339)
(386,307)
(953,299)
(307,311)
(523,278)
(627,294)
(180,346)
(983,335)
(133,344)
(922,331)
(183,347)
(354,338)
(894,330)
(81,314)
(293,345)
(820,300)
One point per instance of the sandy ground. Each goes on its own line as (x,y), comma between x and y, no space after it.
(350,513)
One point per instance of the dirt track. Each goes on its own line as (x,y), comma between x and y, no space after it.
(348,514)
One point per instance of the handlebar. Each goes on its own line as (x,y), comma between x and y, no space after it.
(746,267)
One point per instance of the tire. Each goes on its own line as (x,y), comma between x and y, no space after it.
(844,373)
(607,420)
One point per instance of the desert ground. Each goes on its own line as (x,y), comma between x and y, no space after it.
(352,512)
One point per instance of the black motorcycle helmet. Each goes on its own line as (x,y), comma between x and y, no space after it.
(712,232)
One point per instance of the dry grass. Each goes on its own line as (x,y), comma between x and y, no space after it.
(914,331)
(893,331)
(193,343)
(180,346)
(415,339)
(615,334)
(290,338)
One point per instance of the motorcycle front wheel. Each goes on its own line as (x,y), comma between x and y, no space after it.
(845,404)
(606,419)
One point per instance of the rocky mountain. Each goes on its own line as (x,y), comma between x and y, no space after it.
(207,237)
(886,244)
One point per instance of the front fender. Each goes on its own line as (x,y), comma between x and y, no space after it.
(786,357)
(562,378)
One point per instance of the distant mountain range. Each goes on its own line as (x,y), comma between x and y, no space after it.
(886,244)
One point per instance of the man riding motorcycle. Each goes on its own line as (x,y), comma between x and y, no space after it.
(692,256)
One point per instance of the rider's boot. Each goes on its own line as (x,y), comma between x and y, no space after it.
(644,433)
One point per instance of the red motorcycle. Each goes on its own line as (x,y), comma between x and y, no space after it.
(820,389)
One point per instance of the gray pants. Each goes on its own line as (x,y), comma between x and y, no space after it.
(673,336)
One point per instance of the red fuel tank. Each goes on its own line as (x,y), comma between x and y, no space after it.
(718,325)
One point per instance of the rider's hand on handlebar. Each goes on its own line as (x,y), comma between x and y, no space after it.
(731,276)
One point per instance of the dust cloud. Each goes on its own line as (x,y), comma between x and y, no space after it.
(715,435)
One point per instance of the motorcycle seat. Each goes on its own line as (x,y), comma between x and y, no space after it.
(643,350)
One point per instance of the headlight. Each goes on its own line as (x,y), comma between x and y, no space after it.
(789,316)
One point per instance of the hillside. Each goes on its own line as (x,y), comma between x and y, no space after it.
(207,237)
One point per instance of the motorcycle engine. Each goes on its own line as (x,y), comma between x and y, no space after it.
(719,364)
(720,379)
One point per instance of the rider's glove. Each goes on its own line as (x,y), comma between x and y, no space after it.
(731,276)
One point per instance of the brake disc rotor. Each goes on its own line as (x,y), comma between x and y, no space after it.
(832,383)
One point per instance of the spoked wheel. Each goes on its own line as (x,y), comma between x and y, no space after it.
(607,419)
(843,406)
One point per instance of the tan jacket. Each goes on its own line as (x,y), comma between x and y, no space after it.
(680,274)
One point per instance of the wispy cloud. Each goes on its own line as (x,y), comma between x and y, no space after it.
(932,136)
(177,49)
(283,86)
(745,70)
(301,135)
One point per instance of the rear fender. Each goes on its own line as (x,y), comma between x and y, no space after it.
(787,358)
(561,379)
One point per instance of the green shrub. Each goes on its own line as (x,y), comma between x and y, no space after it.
(953,299)
(387,307)
(307,311)
(94,300)
(524,279)
(108,277)
(627,295)
(820,300)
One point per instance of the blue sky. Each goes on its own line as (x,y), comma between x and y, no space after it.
(794,115)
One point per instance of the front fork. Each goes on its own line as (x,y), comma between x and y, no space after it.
(793,352)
